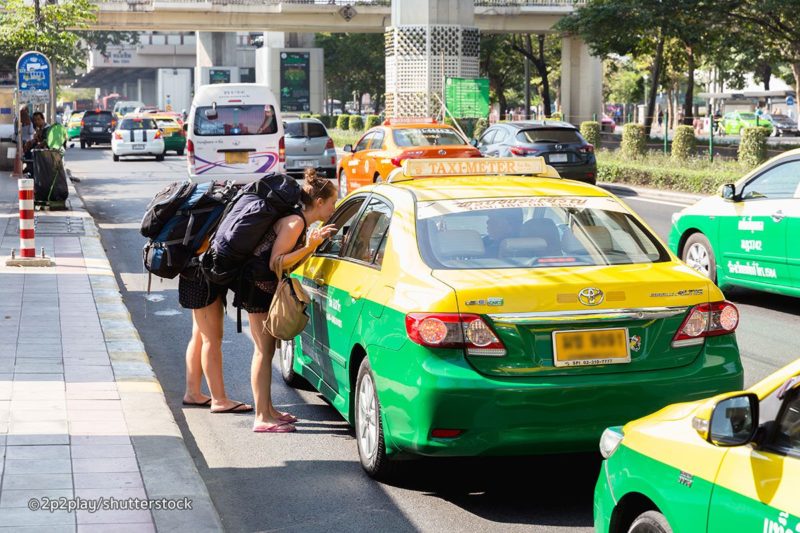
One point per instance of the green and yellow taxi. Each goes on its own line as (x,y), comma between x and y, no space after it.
(730,463)
(734,122)
(748,234)
(475,307)
(74,125)
(172,128)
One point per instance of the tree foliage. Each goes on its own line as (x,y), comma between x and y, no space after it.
(354,62)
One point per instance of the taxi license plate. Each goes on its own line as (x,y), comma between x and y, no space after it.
(138,147)
(306,163)
(591,347)
(233,158)
(97,129)
(558,158)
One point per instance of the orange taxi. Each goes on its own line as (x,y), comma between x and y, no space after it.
(383,149)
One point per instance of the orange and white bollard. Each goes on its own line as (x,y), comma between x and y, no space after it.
(27,237)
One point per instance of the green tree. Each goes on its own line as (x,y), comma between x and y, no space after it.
(500,63)
(58,30)
(354,62)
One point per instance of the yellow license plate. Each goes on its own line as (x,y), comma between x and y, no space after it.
(234,158)
(591,347)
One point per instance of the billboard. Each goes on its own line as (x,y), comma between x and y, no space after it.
(219,76)
(295,81)
(467,98)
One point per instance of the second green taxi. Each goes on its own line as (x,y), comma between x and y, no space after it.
(747,235)
(475,307)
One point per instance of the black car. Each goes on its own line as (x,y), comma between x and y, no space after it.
(783,126)
(97,127)
(560,143)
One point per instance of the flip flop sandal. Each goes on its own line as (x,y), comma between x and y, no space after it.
(289,419)
(234,409)
(282,427)
(206,403)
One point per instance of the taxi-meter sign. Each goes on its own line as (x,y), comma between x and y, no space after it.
(415,168)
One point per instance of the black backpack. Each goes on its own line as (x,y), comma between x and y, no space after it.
(245,222)
(178,220)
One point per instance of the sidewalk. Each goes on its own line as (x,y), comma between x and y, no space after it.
(82,415)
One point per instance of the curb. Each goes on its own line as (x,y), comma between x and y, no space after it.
(167,468)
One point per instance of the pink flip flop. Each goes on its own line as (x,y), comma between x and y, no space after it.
(289,419)
(282,427)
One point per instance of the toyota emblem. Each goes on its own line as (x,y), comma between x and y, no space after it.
(591,296)
(442,152)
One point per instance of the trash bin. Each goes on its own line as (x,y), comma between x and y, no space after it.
(49,176)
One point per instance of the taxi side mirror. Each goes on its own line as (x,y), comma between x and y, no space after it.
(474,142)
(348,148)
(729,192)
(734,420)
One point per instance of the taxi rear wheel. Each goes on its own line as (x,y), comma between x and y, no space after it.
(377,178)
(650,522)
(115,157)
(369,430)
(698,254)
(286,353)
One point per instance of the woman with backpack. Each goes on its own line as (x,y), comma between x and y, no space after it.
(286,243)
(204,351)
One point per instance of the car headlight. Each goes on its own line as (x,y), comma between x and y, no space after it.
(609,441)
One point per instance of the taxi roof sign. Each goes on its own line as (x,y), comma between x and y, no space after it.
(472,166)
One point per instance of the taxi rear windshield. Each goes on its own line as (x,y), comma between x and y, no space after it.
(235,120)
(426,137)
(532,232)
(138,124)
(550,135)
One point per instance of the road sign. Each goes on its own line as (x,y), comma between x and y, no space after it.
(467,98)
(34,78)
(790,100)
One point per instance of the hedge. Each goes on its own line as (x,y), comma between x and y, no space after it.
(356,123)
(683,143)
(590,130)
(343,122)
(670,178)
(372,121)
(634,141)
(753,146)
(480,126)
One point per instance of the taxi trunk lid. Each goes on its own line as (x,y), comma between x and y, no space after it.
(548,331)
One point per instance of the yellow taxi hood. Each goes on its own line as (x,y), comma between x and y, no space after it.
(522,290)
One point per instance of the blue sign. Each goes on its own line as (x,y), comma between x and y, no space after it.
(790,100)
(34,78)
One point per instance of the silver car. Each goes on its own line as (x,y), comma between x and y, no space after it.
(308,145)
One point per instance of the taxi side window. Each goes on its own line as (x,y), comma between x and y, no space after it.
(500,136)
(363,143)
(377,140)
(787,431)
(343,218)
(369,239)
(782,181)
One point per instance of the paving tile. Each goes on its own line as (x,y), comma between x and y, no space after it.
(117,493)
(36,481)
(100,440)
(64,528)
(96,415)
(38,452)
(115,517)
(44,427)
(107,480)
(38,368)
(37,440)
(93,405)
(147,527)
(87,374)
(37,415)
(93,395)
(38,377)
(103,451)
(20,498)
(91,386)
(38,466)
(97,465)
(19,517)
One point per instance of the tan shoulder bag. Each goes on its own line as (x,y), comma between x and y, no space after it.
(287,315)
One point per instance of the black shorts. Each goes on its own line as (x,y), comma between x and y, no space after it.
(196,292)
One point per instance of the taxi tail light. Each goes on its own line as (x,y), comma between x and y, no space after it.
(157,135)
(454,330)
(282,150)
(82,123)
(117,135)
(398,161)
(190,151)
(522,152)
(706,320)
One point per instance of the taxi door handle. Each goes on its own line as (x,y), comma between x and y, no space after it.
(319,281)
(778,215)
(357,293)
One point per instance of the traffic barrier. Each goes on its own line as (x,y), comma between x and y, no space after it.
(27,238)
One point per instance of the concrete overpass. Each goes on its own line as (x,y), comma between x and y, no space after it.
(364,16)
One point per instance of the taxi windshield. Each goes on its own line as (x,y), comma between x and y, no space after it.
(532,232)
(426,137)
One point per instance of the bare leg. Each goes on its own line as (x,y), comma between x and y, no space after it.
(261,370)
(194,370)
(209,324)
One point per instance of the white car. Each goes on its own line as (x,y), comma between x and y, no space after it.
(138,136)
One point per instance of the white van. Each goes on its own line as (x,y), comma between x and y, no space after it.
(234,132)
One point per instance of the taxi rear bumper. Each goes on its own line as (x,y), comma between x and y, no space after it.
(530,415)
